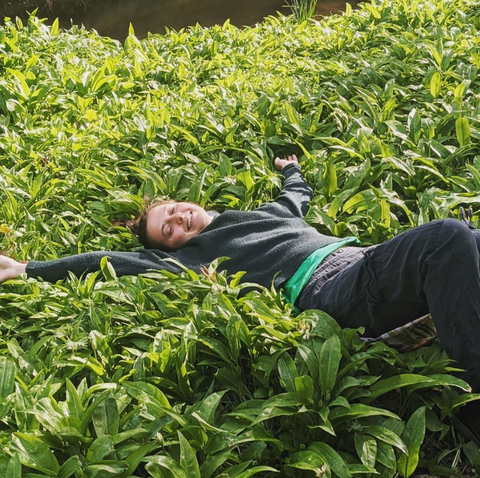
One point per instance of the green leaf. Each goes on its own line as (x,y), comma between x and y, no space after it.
(146,392)
(107,269)
(85,421)
(461,400)
(310,359)
(134,459)
(164,462)
(304,387)
(7,377)
(14,467)
(332,459)
(396,382)
(234,471)
(435,84)
(188,459)
(287,371)
(386,456)
(366,447)
(106,418)
(24,88)
(450,381)
(233,335)
(54,28)
(34,453)
(414,125)
(208,407)
(355,202)
(308,460)
(254,470)
(230,380)
(329,359)
(195,192)
(212,462)
(101,449)
(413,436)
(108,468)
(460,90)
(330,179)
(75,407)
(71,466)
(462,129)
(357,410)
(386,435)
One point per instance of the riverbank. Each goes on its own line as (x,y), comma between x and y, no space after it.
(113,17)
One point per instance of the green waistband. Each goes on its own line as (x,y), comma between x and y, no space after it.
(293,287)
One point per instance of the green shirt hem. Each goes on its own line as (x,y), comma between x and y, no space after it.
(294,286)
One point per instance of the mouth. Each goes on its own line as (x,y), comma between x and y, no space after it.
(189,220)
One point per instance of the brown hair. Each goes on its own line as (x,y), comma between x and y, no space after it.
(139,225)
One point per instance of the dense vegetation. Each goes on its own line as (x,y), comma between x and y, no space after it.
(179,376)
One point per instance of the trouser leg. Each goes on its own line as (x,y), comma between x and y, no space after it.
(435,268)
(476,235)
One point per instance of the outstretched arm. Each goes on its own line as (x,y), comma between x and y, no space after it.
(296,193)
(124,263)
(10,268)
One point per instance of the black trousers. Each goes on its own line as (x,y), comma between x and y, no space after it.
(431,268)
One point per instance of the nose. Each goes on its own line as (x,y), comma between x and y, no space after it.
(177,218)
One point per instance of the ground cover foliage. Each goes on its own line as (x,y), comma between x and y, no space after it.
(182,376)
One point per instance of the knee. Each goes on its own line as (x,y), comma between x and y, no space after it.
(457,238)
(457,231)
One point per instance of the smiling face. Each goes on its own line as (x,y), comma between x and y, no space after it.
(172,224)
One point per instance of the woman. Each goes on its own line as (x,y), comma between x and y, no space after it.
(269,243)
(431,268)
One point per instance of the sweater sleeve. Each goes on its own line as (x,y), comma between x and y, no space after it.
(124,263)
(296,193)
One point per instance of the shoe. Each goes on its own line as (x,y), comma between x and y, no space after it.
(467,422)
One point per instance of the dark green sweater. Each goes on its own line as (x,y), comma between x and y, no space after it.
(269,243)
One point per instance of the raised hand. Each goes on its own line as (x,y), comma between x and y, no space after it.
(280,163)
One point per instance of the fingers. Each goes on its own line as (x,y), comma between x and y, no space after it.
(280,163)
(291,158)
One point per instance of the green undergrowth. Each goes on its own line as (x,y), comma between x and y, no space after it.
(181,376)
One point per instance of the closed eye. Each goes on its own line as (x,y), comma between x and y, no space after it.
(167,230)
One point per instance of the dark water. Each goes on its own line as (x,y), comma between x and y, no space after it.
(154,15)
(112,17)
